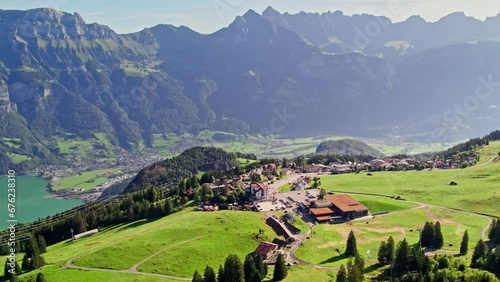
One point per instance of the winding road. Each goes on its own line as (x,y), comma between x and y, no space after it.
(419,206)
(300,239)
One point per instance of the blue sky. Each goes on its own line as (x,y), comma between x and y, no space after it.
(210,15)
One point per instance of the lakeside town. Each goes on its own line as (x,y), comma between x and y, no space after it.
(128,164)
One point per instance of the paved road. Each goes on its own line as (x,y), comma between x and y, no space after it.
(133,269)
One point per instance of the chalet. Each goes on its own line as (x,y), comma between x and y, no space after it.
(313,168)
(340,169)
(301,184)
(337,208)
(259,190)
(266,249)
(378,164)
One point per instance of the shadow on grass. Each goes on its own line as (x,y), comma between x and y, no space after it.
(373,267)
(138,223)
(334,259)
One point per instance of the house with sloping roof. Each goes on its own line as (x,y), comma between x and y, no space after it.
(266,249)
(259,190)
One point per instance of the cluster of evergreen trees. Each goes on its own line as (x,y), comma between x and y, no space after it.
(190,162)
(354,272)
(431,235)
(486,258)
(252,270)
(409,263)
(494,233)
(355,268)
(143,204)
(32,259)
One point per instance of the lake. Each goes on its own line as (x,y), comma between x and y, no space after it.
(33,201)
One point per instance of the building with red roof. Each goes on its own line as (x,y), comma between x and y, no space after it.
(337,208)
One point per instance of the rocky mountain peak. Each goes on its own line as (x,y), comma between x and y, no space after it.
(46,23)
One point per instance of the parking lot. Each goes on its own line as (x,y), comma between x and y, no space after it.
(286,201)
(299,196)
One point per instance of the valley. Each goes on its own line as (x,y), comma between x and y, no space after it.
(290,144)
(402,202)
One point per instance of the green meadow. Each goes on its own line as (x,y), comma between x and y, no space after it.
(85,180)
(210,237)
(188,240)
(477,188)
(321,248)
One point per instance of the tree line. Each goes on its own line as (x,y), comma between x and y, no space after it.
(32,260)
(253,269)
(410,263)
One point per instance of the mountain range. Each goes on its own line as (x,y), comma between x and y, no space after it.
(269,73)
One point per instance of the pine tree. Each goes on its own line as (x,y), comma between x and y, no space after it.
(402,259)
(492,230)
(209,275)
(351,275)
(280,270)
(169,206)
(391,249)
(256,276)
(197,277)
(464,246)
(42,245)
(427,235)
(438,241)
(354,271)
(40,277)
(254,267)
(382,253)
(8,275)
(249,267)
(479,253)
(351,248)
(220,274)
(342,274)
(359,265)
(25,265)
(260,265)
(233,269)
(32,246)
(496,233)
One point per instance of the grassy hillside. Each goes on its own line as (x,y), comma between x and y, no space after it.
(321,248)
(477,188)
(189,239)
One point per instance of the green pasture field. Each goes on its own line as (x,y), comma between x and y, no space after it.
(86,180)
(321,248)
(477,189)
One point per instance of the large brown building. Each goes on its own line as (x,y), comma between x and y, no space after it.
(336,208)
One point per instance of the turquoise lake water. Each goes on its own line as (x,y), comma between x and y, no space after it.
(33,201)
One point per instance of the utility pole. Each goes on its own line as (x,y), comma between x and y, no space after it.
(72,237)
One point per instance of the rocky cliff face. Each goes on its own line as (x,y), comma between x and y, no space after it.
(271,74)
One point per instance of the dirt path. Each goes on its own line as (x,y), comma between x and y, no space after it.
(490,160)
(133,269)
(484,237)
(419,206)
